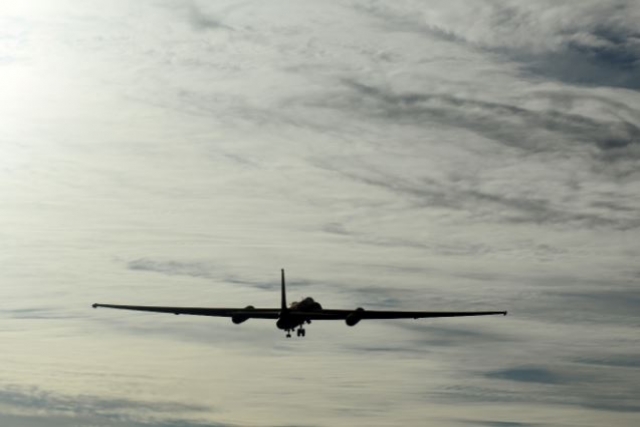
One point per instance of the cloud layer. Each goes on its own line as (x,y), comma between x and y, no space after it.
(414,155)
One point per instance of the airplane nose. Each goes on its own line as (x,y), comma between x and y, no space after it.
(285,323)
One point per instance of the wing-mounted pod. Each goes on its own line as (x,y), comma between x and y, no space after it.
(240,318)
(353,318)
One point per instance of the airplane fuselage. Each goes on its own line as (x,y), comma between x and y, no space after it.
(295,315)
(289,321)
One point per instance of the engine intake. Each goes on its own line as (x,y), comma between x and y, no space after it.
(353,318)
(240,318)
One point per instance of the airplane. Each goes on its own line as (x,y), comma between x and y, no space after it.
(298,313)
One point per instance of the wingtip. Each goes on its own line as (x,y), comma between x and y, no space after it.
(94,305)
(504,313)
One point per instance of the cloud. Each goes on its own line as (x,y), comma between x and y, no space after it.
(203,21)
(206,270)
(66,421)
(444,156)
(38,313)
(529,375)
(501,424)
(454,336)
(612,305)
(24,402)
(613,360)
(594,44)
(543,386)
(505,123)
(587,149)
(492,207)
(172,268)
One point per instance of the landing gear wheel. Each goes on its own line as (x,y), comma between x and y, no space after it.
(303,332)
(288,334)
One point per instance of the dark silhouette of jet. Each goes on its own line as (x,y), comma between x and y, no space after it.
(299,313)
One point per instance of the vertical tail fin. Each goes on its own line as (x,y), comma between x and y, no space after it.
(283,301)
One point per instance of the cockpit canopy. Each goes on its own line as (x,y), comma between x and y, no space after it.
(306,304)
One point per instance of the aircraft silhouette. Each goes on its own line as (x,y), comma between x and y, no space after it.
(298,313)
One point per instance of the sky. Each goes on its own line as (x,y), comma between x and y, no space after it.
(407,155)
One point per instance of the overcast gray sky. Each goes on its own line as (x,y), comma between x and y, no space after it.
(445,155)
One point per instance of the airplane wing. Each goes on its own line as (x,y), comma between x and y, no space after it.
(361,314)
(245,313)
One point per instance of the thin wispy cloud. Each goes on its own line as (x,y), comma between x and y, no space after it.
(596,44)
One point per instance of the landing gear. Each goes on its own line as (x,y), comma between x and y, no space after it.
(301,332)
